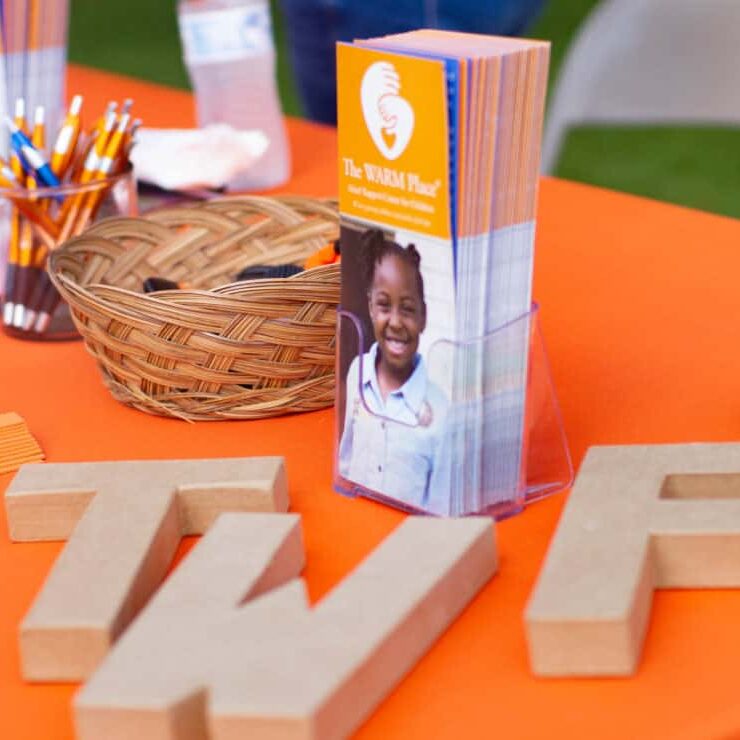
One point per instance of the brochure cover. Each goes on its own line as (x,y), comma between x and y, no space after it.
(397,277)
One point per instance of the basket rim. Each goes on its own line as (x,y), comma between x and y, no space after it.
(73,290)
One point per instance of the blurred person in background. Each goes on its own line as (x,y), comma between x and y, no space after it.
(313,27)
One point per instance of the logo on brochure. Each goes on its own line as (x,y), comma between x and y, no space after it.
(389,117)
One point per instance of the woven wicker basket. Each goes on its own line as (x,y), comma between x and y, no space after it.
(214,350)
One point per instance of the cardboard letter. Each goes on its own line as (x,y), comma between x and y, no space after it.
(638,518)
(124,521)
(196,664)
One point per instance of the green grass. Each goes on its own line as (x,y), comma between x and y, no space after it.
(136,37)
(692,166)
(697,167)
(140,38)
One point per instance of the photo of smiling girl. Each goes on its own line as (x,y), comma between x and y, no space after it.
(393,440)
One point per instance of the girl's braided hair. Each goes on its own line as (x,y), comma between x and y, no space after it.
(375,247)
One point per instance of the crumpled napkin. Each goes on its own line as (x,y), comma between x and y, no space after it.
(185,159)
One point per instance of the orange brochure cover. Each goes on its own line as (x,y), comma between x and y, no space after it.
(393,140)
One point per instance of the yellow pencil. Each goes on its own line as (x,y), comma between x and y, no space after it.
(89,139)
(64,146)
(39,251)
(47,230)
(71,207)
(27,273)
(18,227)
(25,232)
(105,168)
(128,142)
(7,179)
(11,179)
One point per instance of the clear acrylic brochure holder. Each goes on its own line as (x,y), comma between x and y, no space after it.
(503,445)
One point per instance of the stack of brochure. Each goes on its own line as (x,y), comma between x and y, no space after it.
(439,148)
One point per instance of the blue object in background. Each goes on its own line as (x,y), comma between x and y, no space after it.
(313,27)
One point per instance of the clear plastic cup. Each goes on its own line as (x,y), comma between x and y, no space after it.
(38,220)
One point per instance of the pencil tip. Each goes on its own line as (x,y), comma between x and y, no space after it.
(123,122)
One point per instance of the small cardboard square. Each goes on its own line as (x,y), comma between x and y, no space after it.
(17,446)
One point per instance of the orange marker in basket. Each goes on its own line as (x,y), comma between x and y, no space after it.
(66,142)
(327,255)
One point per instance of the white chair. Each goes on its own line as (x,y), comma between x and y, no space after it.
(648,61)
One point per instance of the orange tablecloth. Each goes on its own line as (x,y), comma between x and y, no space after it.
(640,312)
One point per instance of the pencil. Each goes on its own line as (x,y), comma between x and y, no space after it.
(24,234)
(76,207)
(128,144)
(37,298)
(71,207)
(77,157)
(38,252)
(7,179)
(44,227)
(11,179)
(66,143)
(10,277)
(101,162)
(106,164)
(31,156)
(26,273)
(87,142)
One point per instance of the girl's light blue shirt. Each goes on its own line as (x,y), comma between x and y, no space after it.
(398,448)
